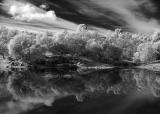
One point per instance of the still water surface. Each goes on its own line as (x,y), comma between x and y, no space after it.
(116,91)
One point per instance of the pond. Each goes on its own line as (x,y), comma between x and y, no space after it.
(113,91)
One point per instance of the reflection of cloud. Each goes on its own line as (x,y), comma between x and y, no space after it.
(15,107)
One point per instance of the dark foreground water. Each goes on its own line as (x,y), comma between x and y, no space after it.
(116,91)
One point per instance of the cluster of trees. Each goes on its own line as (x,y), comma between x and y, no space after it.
(147,52)
(5,36)
(147,80)
(89,44)
(112,47)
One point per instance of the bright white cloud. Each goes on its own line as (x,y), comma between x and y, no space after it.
(24,11)
(27,12)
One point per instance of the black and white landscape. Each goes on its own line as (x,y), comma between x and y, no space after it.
(79,57)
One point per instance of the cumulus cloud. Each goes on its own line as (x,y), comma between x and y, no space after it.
(25,11)
(28,12)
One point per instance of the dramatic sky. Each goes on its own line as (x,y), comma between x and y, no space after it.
(130,15)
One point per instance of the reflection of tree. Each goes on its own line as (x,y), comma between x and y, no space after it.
(143,81)
(3,80)
(28,87)
(45,87)
(39,87)
(125,85)
(101,81)
(42,87)
(148,80)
